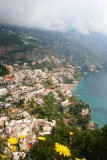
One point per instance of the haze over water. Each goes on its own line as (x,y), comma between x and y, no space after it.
(93,91)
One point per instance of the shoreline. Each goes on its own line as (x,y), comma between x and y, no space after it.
(71,87)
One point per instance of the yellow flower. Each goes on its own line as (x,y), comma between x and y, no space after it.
(13,140)
(42,138)
(3,156)
(22,136)
(71,133)
(23,149)
(62,150)
(14,148)
(80,159)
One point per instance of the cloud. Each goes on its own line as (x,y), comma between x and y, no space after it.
(61,15)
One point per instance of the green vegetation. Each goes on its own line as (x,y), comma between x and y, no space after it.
(51,109)
(47,83)
(2,99)
(7,38)
(90,144)
(77,74)
(49,65)
(67,80)
(20,103)
(87,144)
(3,70)
(44,44)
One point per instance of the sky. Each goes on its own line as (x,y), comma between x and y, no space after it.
(84,16)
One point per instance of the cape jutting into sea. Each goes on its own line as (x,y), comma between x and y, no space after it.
(93,91)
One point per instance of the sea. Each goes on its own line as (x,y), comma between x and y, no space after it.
(92,89)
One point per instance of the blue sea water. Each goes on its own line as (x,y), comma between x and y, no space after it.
(93,91)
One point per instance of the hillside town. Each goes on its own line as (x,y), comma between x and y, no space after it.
(24,84)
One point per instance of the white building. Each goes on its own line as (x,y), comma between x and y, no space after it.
(3,91)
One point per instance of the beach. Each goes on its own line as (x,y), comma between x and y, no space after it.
(72,86)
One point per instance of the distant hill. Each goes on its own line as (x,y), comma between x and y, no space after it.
(27,44)
(8,38)
(94,41)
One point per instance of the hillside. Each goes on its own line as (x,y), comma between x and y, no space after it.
(28,44)
(94,41)
(38,111)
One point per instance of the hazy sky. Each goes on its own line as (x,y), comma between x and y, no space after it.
(61,15)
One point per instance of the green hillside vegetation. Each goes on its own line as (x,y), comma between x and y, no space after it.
(52,109)
(45,43)
(82,145)
(3,70)
(95,41)
(8,39)
(71,131)
(87,144)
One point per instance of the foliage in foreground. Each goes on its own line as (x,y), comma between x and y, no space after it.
(64,143)
(88,144)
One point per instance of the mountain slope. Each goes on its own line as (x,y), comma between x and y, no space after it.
(96,42)
(28,44)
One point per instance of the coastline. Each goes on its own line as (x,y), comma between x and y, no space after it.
(71,87)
